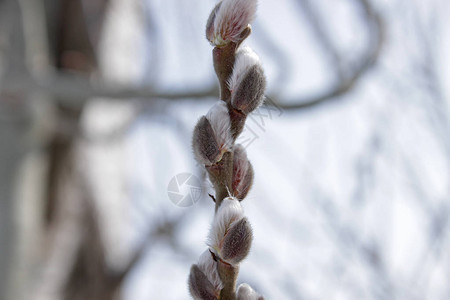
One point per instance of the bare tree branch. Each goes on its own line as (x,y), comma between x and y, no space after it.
(71,88)
(323,38)
(75,90)
(375,30)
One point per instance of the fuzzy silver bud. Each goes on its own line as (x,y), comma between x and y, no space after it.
(231,235)
(199,285)
(204,144)
(230,211)
(228,20)
(208,266)
(237,242)
(219,118)
(245,292)
(247,82)
(250,93)
(212,135)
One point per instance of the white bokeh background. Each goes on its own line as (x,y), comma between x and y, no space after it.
(351,198)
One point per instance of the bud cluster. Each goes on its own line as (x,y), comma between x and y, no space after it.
(243,84)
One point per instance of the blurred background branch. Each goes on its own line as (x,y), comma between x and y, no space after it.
(73,87)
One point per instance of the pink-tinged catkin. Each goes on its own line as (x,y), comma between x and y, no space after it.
(228,20)
(243,174)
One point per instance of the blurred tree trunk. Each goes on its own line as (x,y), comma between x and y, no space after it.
(12,135)
(13,130)
(73,51)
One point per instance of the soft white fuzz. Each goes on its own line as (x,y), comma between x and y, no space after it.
(220,122)
(245,292)
(245,60)
(209,267)
(231,19)
(229,212)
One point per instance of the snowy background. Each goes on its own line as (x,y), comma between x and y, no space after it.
(351,196)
